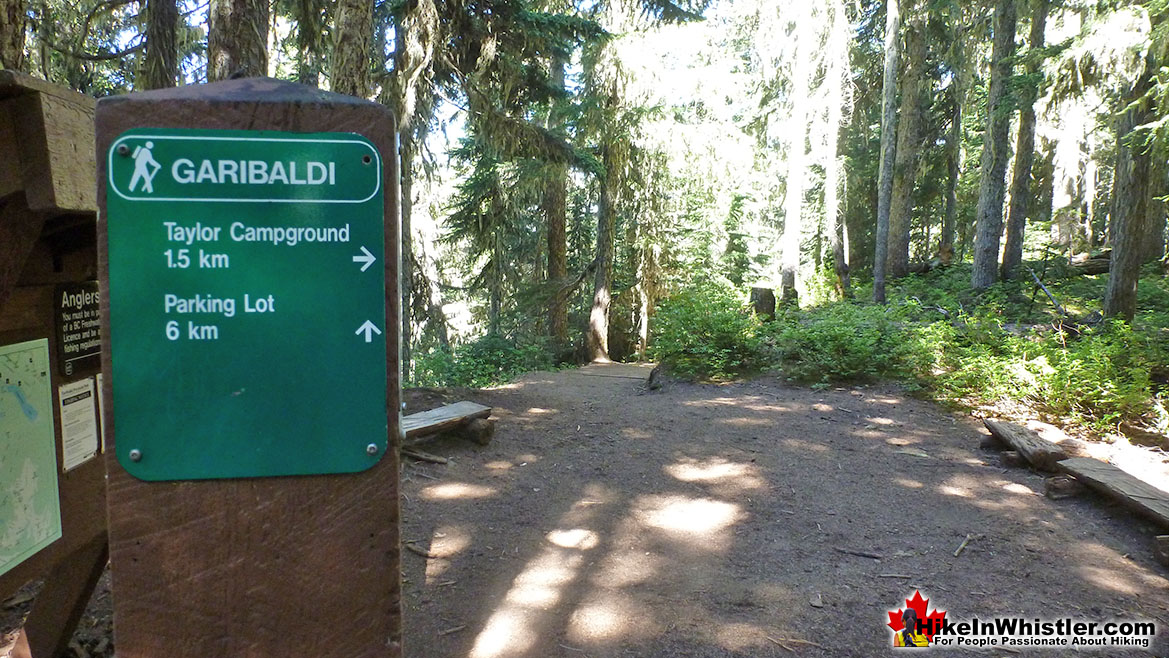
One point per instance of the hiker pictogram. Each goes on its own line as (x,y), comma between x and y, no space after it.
(145,168)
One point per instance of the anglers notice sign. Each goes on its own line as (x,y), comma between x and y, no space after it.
(245,306)
(78,320)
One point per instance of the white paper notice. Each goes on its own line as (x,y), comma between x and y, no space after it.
(101,412)
(78,422)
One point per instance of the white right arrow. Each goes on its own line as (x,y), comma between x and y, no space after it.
(364,257)
(370,329)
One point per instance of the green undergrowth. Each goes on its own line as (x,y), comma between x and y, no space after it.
(1002,346)
(488,361)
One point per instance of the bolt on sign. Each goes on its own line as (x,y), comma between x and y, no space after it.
(244,312)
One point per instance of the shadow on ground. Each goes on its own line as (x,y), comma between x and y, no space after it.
(734,520)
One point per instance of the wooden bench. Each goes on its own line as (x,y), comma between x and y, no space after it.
(469,419)
(1135,494)
(1131,492)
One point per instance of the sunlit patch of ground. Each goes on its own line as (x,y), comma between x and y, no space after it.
(457,491)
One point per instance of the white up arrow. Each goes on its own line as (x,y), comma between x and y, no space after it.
(366,258)
(370,329)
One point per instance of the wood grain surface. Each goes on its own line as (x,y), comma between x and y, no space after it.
(1137,495)
(267,567)
(46,138)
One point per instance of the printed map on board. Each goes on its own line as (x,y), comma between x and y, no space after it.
(30,512)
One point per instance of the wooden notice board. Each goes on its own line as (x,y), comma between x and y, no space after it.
(301,565)
(47,242)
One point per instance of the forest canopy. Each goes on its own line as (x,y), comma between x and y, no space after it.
(934,187)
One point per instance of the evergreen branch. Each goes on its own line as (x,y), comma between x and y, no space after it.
(92,57)
(99,7)
(670,11)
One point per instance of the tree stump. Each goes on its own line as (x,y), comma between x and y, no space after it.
(479,430)
(763,301)
(1062,486)
(1161,549)
(1012,459)
(654,381)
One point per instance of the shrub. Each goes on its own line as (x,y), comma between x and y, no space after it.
(489,360)
(838,342)
(704,331)
(1100,379)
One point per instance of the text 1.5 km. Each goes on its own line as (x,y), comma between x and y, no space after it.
(181,259)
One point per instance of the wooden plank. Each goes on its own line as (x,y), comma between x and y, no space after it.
(11,180)
(1041,453)
(15,83)
(19,230)
(443,418)
(56,154)
(1135,494)
(289,566)
(54,126)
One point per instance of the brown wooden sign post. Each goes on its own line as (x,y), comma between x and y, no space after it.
(303,565)
(47,211)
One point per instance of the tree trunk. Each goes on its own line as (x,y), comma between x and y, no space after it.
(160,68)
(793,203)
(954,152)
(12,17)
(1154,240)
(428,278)
(1129,206)
(495,292)
(412,57)
(995,151)
(310,33)
(908,145)
(406,264)
(1024,155)
(888,146)
(237,39)
(1089,230)
(598,335)
(644,303)
(555,214)
(953,173)
(838,78)
(352,36)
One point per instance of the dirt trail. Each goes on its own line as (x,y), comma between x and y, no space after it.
(702,520)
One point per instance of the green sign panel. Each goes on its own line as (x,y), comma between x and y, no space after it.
(247,303)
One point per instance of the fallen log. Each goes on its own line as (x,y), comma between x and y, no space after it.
(1098,264)
(1039,452)
(1137,495)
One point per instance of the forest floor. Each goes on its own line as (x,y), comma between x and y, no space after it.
(731,520)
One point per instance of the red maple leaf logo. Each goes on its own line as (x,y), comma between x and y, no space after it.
(931,622)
